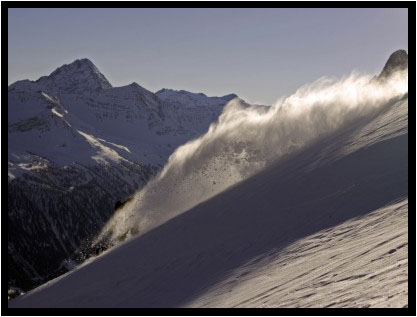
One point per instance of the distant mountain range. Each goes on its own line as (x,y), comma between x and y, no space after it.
(76,146)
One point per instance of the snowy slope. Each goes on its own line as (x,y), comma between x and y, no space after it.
(316,216)
(76,146)
(360,263)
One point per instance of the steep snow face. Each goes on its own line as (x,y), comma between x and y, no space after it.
(247,139)
(360,263)
(39,124)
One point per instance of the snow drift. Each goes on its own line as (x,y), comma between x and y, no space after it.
(247,139)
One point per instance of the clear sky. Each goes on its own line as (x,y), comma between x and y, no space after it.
(259,54)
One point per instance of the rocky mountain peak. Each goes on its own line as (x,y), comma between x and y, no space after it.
(81,74)
(397,61)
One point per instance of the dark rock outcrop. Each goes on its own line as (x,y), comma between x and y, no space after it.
(396,62)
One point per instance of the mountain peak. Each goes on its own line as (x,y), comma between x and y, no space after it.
(135,85)
(81,74)
(82,63)
(397,61)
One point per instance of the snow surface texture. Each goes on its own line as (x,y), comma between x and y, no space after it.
(360,263)
(321,220)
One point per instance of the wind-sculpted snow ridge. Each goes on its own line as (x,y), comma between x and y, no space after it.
(247,139)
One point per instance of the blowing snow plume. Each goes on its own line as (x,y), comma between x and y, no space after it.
(247,139)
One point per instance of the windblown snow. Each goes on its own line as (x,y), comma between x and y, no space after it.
(247,139)
(301,204)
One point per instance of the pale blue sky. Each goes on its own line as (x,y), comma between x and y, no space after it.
(259,54)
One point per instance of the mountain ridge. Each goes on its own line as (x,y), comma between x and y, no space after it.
(99,81)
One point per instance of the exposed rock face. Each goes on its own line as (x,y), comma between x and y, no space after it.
(396,62)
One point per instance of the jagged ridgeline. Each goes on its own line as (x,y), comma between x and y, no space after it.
(76,146)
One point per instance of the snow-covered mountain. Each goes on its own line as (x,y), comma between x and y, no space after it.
(303,204)
(76,146)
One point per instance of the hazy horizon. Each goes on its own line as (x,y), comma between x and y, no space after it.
(259,54)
